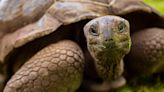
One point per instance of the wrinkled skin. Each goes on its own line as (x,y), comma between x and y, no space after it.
(108,47)
(108,41)
(59,67)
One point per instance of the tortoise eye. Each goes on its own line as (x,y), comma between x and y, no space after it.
(121,27)
(93,31)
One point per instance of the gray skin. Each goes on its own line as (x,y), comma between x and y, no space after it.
(59,66)
(146,56)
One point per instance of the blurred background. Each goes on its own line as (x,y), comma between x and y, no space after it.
(158,4)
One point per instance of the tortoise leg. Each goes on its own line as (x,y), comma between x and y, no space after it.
(147,53)
(56,68)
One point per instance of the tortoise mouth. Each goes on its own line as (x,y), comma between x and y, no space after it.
(110,48)
(123,46)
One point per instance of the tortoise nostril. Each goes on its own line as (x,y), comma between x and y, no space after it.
(109,39)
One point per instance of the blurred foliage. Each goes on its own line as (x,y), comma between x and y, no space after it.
(157,4)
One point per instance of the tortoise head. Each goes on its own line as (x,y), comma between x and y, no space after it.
(108,39)
(108,33)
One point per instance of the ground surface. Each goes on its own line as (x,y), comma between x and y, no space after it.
(149,84)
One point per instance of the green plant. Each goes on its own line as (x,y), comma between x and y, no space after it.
(157,4)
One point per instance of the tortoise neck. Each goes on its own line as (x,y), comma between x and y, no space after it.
(109,66)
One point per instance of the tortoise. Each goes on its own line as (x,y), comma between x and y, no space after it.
(52,52)
(78,12)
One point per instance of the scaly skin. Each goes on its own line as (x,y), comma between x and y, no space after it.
(56,68)
(147,53)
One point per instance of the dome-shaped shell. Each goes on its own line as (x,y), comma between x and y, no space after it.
(137,13)
(17,13)
(62,12)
